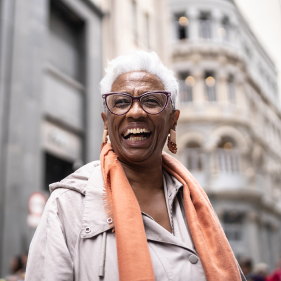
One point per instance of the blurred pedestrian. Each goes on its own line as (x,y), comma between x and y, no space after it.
(15,264)
(276,275)
(246,266)
(17,268)
(260,272)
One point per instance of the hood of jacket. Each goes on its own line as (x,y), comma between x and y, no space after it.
(89,183)
(78,180)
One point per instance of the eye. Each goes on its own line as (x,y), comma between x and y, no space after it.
(151,101)
(121,102)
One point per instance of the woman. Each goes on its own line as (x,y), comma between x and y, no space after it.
(137,214)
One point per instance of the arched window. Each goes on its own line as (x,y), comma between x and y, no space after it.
(194,156)
(227,156)
(233,225)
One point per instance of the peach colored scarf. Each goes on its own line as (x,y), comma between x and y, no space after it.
(134,260)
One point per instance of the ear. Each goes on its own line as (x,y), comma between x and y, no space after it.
(174,118)
(104,118)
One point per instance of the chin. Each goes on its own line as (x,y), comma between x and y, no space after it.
(138,156)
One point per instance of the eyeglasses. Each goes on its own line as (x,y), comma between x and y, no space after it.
(151,102)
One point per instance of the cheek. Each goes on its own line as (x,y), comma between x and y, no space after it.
(113,127)
(166,123)
(163,127)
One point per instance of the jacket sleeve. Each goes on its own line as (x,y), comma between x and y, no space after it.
(49,258)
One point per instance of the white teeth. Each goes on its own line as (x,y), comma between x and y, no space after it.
(136,131)
(137,138)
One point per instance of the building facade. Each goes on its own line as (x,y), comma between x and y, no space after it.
(229,132)
(51,65)
(135,24)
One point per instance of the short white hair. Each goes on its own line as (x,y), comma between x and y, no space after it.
(140,61)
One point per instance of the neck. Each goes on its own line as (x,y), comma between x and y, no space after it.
(145,177)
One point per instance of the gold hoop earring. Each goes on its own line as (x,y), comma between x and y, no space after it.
(104,138)
(172,141)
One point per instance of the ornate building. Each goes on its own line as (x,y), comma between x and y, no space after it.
(229,132)
(135,24)
(50,68)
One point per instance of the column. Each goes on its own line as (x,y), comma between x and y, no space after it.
(240,91)
(193,16)
(199,86)
(252,231)
(222,87)
(208,169)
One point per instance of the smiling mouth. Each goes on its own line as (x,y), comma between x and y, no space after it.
(137,134)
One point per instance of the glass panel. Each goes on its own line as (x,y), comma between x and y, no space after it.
(66,41)
(226,27)
(205,26)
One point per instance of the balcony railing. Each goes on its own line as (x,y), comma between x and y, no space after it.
(194,158)
(228,160)
(210,93)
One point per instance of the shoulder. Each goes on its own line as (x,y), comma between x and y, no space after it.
(68,196)
(76,181)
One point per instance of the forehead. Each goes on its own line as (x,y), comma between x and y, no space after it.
(137,80)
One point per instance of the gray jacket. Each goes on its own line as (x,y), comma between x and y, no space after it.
(74,241)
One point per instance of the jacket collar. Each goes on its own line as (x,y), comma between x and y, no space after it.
(171,187)
(94,219)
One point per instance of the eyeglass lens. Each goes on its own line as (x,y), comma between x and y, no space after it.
(151,103)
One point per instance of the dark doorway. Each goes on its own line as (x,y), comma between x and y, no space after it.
(56,169)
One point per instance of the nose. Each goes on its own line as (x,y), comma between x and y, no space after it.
(136,111)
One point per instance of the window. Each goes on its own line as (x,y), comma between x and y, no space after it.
(231,89)
(181,23)
(248,52)
(194,157)
(227,156)
(210,89)
(186,82)
(134,20)
(232,224)
(66,41)
(205,26)
(226,27)
(56,169)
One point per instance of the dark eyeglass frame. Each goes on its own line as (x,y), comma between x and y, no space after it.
(168,95)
